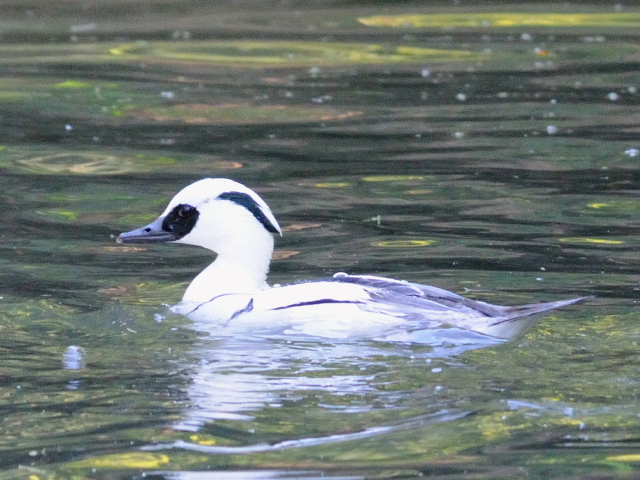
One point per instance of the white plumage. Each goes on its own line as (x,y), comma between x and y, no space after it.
(230,219)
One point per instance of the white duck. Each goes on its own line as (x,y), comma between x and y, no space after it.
(233,221)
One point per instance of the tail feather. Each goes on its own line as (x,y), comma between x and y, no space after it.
(518,320)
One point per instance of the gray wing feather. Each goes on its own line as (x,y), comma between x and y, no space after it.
(435,305)
(417,295)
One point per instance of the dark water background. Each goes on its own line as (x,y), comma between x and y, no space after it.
(486,148)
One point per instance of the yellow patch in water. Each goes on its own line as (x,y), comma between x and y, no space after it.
(200,441)
(599,205)
(497,425)
(124,249)
(314,54)
(236,113)
(601,241)
(83,163)
(499,20)
(404,243)
(72,84)
(63,214)
(332,185)
(632,457)
(392,178)
(127,460)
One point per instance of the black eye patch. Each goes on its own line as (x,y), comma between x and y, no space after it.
(181,220)
(246,201)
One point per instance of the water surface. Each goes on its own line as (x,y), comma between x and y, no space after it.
(491,156)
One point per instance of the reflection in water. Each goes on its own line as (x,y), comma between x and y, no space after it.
(422,421)
(240,375)
(236,376)
(74,358)
(256,475)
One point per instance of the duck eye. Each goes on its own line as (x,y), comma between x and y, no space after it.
(180,220)
(185,211)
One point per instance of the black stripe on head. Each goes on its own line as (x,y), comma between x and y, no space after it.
(181,220)
(245,200)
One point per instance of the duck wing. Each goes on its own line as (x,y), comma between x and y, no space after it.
(424,303)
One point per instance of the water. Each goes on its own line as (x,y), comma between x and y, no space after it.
(502,165)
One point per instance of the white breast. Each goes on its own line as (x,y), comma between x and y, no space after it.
(322,309)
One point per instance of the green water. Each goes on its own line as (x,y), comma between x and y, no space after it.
(491,155)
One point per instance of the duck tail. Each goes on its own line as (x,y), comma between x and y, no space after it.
(518,320)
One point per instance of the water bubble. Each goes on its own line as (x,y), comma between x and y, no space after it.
(74,358)
(73,385)
(552,130)
(461,96)
(322,99)
(613,96)
(632,152)
(180,35)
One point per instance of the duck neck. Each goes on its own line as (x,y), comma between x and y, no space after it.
(235,270)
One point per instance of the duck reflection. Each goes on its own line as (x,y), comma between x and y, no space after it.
(238,375)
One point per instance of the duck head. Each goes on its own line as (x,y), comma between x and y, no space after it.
(223,216)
